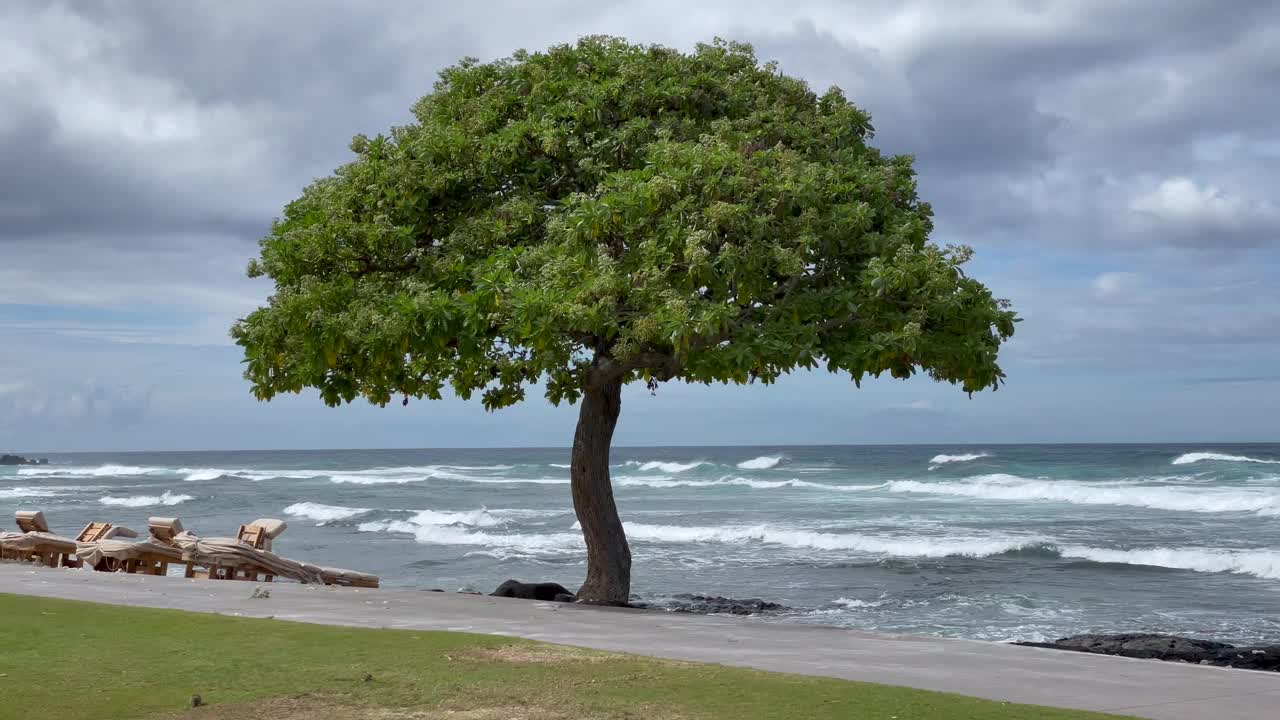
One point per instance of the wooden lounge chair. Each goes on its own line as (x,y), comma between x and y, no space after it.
(34,542)
(246,557)
(103,547)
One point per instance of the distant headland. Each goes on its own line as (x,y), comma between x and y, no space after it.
(19,460)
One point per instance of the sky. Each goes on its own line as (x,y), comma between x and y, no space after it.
(1114,163)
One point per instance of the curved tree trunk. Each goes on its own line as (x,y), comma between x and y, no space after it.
(608,556)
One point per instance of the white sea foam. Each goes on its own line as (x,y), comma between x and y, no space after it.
(945,459)
(1175,498)
(25,492)
(100,471)
(764,462)
(199,475)
(1260,563)
(1196,457)
(852,603)
(137,501)
(666,467)
(323,513)
(668,482)
(562,466)
(346,479)
(431,527)
(872,545)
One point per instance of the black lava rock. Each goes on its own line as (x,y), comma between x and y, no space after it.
(709,605)
(547,591)
(1171,647)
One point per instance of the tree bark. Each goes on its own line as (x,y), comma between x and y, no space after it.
(608,555)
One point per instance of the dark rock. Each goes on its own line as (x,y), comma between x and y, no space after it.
(1172,647)
(708,605)
(1262,657)
(546,591)
(1140,645)
(19,460)
(196,701)
(565,597)
(435,590)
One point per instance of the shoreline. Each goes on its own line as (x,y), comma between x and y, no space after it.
(1158,690)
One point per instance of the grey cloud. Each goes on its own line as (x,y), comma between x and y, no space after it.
(84,403)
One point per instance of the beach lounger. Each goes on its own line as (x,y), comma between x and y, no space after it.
(248,556)
(34,542)
(111,553)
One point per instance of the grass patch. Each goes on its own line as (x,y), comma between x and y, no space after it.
(74,660)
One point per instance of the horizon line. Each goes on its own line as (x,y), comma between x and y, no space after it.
(29,453)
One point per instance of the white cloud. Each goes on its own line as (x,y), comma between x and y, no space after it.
(75,403)
(1111,285)
(1183,207)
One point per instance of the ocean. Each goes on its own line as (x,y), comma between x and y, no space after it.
(986,542)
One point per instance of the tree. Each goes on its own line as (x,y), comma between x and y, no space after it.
(602,213)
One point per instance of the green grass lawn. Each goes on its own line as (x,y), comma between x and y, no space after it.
(70,660)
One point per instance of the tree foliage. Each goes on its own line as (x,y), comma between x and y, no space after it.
(659,214)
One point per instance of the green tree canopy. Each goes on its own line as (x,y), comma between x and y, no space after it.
(614,211)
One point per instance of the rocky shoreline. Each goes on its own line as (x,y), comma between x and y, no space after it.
(1145,646)
(19,460)
(1171,648)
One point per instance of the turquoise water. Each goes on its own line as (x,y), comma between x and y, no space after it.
(988,542)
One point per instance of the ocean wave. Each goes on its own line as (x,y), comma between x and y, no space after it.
(1196,457)
(1259,563)
(668,482)
(323,513)
(100,471)
(26,492)
(666,467)
(947,459)
(451,534)
(1179,499)
(138,501)
(204,474)
(854,603)
(562,466)
(933,547)
(764,462)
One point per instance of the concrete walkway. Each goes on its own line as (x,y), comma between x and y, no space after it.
(1145,688)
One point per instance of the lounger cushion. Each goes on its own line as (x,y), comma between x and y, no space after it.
(116,532)
(32,520)
(33,540)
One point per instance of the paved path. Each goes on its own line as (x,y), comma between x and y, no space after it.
(1165,691)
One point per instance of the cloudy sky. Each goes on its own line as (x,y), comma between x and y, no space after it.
(1115,163)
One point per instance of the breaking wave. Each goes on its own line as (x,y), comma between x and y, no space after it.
(666,467)
(764,462)
(323,513)
(1179,499)
(1259,563)
(25,492)
(436,527)
(772,535)
(946,459)
(1196,457)
(138,501)
(667,482)
(101,471)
